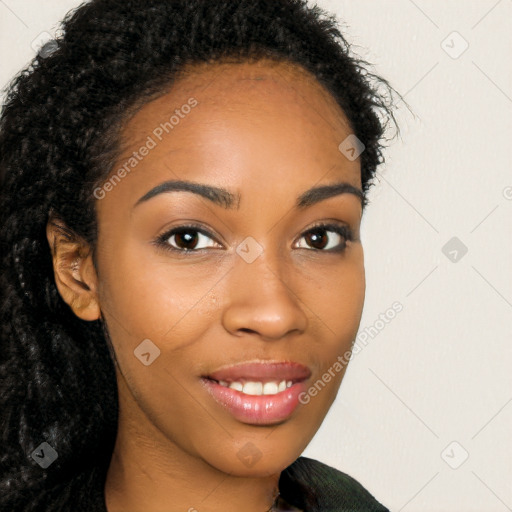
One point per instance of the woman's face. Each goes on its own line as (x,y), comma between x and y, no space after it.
(249,283)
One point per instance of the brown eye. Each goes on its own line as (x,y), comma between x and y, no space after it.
(327,238)
(186,239)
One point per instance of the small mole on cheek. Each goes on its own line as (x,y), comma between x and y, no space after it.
(210,304)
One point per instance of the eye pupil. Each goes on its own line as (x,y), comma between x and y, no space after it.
(315,237)
(186,237)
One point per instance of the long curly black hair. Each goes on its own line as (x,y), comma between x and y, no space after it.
(59,138)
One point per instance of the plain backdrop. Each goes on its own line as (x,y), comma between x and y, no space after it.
(424,415)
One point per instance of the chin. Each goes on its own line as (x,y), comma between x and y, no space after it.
(254,457)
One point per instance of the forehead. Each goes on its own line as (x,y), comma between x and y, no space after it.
(254,126)
(248,89)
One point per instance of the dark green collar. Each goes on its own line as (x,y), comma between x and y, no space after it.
(313,486)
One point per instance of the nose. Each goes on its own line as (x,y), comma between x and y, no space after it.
(261,302)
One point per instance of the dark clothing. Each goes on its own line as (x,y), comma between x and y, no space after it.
(306,484)
(313,486)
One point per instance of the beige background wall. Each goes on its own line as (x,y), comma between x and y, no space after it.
(424,415)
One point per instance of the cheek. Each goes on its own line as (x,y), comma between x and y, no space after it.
(154,297)
(336,304)
(335,294)
(146,298)
(344,300)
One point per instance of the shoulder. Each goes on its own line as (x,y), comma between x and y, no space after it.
(313,486)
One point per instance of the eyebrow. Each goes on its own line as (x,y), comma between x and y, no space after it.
(228,200)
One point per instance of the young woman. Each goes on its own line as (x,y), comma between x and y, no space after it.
(182,270)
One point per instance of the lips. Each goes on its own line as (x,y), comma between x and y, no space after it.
(258,392)
(262,372)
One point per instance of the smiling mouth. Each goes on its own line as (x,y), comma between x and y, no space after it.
(260,392)
(260,377)
(256,388)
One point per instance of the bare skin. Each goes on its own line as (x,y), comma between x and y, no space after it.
(266,132)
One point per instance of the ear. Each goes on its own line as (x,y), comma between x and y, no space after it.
(75,275)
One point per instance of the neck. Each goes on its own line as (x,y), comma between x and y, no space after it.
(150,472)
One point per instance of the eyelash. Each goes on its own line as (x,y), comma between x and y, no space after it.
(344,231)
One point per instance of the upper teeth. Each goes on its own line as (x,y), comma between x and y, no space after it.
(258,388)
